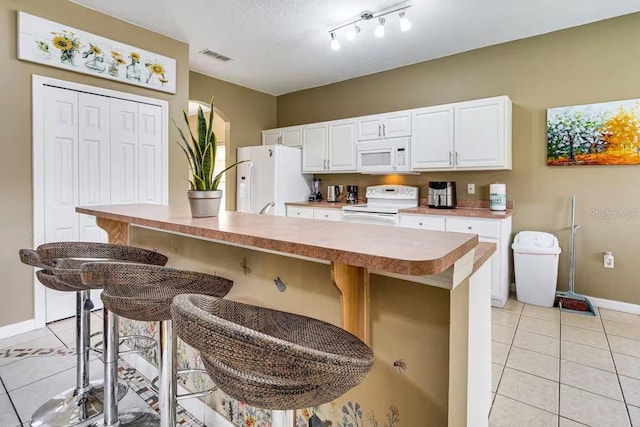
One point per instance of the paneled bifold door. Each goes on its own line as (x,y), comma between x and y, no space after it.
(97,151)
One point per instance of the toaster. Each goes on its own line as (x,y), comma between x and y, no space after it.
(442,195)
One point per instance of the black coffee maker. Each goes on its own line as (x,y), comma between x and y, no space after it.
(352,194)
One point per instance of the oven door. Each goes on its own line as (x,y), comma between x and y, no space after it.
(370,218)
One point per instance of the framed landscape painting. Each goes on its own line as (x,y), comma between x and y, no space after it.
(607,133)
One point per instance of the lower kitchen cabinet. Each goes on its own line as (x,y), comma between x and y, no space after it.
(300,212)
(489,230)
(425,222)
(328,214)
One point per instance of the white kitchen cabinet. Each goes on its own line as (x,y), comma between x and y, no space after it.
(332,214)
(300,212)
(388,125)
(482,134)
(271,137)
(329,147)
(496,231)
(425,222)
(473,135)
(432,141)
(314,148)
(342,146)
(290,136)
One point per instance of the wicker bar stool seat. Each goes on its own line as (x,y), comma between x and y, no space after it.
(60,264)
(145,293)
(270,358)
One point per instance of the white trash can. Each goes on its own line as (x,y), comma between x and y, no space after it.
(535,259)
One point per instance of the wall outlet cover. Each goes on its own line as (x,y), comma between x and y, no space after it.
(471,189)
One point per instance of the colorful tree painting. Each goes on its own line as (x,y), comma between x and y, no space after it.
(596,134)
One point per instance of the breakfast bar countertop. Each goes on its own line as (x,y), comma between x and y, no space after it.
(390,249)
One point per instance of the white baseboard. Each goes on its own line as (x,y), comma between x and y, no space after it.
(615,305)
(17,328)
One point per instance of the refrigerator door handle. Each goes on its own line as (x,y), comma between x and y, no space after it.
(250,192)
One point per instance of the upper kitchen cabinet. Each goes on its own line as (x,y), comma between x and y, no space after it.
(290,136)
(329,147)
(473,135)
(432,142)
(482,134)
(388,125)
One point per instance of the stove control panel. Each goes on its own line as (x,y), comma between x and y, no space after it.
(392,192)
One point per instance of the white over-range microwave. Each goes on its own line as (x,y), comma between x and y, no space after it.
(385,156)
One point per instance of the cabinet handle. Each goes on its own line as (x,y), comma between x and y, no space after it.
(328,163)
(379,131)
(280,140)
(297,213)
(469,227)
(384,130)
(450,158)
(420,223)
(324,164)
(456,157)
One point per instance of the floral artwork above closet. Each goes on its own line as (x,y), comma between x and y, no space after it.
(57,45)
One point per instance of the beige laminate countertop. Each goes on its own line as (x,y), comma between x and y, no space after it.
(392,249)
(474,212)
(467,212)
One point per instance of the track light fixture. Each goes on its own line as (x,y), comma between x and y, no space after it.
(352,32)
(335,44)
(380,28)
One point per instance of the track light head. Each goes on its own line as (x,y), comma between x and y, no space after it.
(353,32)
(335,43)
(405,24)
(380,28)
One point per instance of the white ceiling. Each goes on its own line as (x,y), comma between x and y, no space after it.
(281,46)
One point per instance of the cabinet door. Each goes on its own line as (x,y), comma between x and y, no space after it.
(369,127)
(432,141)
(314,148)
(271,137)
(496,284)
(299,212)
(480,130)
(342,146)
(328,214)
(395,125)
(292,136)
(425,222)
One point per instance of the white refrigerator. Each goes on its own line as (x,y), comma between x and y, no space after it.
(272,176)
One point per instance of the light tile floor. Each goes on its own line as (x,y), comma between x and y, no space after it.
(552,368)
(548,369)
(27,379)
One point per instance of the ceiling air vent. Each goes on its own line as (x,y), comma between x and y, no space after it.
(215,55)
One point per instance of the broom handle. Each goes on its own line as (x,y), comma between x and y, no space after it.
(572,259)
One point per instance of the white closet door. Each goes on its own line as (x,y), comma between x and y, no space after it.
(60,183)
(124,151)
(94,161)
(150,153)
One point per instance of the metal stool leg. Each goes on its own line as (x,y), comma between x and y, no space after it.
(113,418)
(85,400)
(167,342)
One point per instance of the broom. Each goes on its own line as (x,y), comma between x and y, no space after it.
(570,301)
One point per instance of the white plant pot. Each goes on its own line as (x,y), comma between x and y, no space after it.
(204,203)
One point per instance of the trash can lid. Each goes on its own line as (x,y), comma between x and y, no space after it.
(536,242)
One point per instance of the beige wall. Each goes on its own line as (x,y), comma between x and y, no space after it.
(592,63)
(247,111)
(16,303)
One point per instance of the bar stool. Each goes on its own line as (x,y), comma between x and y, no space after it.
(85,400)
(143,292)
(268,358)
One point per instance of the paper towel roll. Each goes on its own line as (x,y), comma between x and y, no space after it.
(498,196)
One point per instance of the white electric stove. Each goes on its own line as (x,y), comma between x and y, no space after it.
(383,204)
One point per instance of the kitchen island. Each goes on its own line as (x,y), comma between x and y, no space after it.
(368,279)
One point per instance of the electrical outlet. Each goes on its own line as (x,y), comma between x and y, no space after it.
(471,189)
(608,260)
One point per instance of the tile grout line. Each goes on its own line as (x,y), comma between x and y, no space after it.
(506,359)
(615,366)
(57,337)
(11,401)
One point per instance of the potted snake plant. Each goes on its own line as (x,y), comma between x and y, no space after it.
(201,149)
